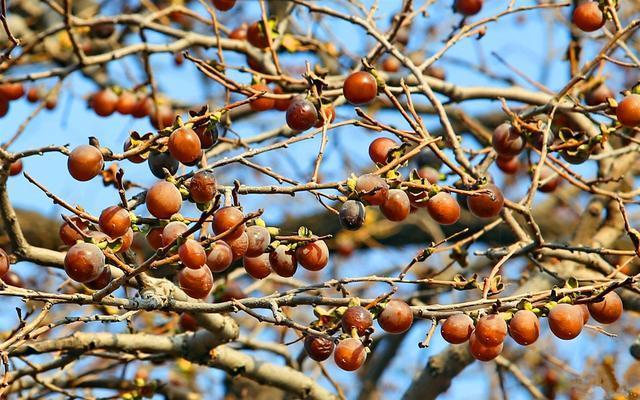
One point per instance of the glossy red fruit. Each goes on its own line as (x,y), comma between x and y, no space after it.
(163,200)
(608,310)
(33,95)
(301,115)
(70,236)
(240,33)
(566,321)
(283,261)
(144,107)
(11,91)
(224,5)
(101,281)
(84,262)
(104,102)
(380,148)
(482,352)
(486,205)
(549,180)
(172,231)
(219,257)
(358,318)
(192,254)
(491,330)
(396,317)
(457,328)
(391,64)
(154,238)
(598,95)
(313,256)
(372,189)
(397,206)
(256,35)
(225,219)
(468,7)
(628,111)
(115,221)
(585,313)
(318,348)
(350,354)
(524,327)
(281,104)
(126,103)
(4,263)
(85,162)
(238,246)
(259,239)
(262,103)
(360,88)
(258,267)
(202,187)
(188,323)
(443,208)
(507,141)
(508,165)
(184,145)
(127,241)
(12,279)
(196,283)
(327,114)
(588,17)
(208,135)
(164,117)
(15,168)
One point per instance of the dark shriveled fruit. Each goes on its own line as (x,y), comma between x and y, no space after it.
(158,162)
(318,348)
(202,187)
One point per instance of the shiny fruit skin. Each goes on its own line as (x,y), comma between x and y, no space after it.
(12,279)
(352,215)
(281,104)
(15,168)
(491,330)
(259,239)
(219,257)
(144,107)
(224,5)
(508,165)
(225,219)
(327,114)
(172,231)
(283,261)
(70,236)
(598,95)
(192,254)
(483,205)
(101,281)
(457,328)
(396,317)
(238,246)
(202,187)
(256,35)
(163,200)
(360,88)
(585,313)
(628,111)
(507,141)
(154,238)
(84,262)
(549,185)
(318,348)
(188,323)
(11,91)
(313,256)
(350,354)
(566,321)
(257,267)
(301,115)
(184,145)
(240,33)
(104,102)
(126,103)
(468,7)
(196,283)
(380,148)
(127,241)
(136,159)
(391,64)
(482,352)
(443,208)
(208,135)
(85,162)
(588,17)
(4,263)
(115,221)
(524,327)
(372,189)
(158,162)
(163,117)
(608,310)
(397,206)
(356,317)
(262,103)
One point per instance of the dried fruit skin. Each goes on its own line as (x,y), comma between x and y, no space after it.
(318,348)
